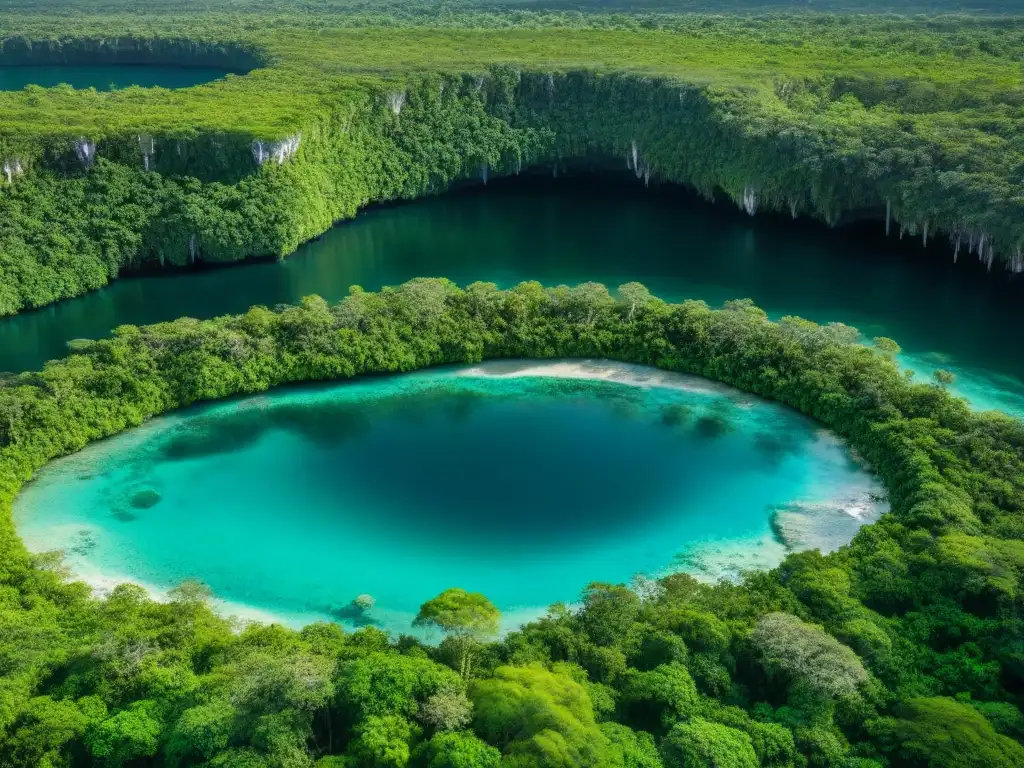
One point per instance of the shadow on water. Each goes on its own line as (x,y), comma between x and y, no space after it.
(676,415)
(776,446)
(329,423)
(717,421)
(353,614)
(325,425)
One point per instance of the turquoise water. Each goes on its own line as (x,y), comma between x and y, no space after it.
(574,230)
(107,77)
(522,481)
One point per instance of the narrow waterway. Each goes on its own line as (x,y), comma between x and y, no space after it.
(956,317)
(106,77)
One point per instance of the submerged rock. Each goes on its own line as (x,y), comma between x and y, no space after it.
(825,526)
(713,426)
(357,612)
(83,543)
(146,499)
(364,602)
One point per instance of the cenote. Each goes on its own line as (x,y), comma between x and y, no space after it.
(612,231)
(106,77)
(521,480)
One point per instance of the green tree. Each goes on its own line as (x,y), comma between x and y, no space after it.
(939,732)
(468,617)
(537,717)
(653,701)
(42,733)
(447,710)
(807,656)
(131,733)
(386,683)
(383,741)
(608,611)
(632,749)
(699,743)
(887,346)
(201,732)
(458,749)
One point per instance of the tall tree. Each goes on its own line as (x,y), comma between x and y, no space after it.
(467,617)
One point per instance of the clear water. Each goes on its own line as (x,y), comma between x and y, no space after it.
(107,77)
(522,481)
(953,316)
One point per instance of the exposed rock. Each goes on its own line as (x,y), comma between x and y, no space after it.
(750,200)
(396,100)
(279,151)
(1016,264)
(12,168)
(148,148)
(85,151)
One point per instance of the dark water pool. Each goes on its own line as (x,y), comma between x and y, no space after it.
(106,77)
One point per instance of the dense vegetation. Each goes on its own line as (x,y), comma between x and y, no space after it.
(916,121)
(902,649)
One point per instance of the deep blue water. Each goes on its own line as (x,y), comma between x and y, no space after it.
(523,487)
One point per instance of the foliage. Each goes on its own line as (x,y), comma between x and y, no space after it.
(702,744)
(916,121)
(808,656)
(459,749)
(539,718)
(447,710)
(902,648)
(936,732)
(468,617)
(382,741)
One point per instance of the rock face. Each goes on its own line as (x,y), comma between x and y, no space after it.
(263,151)
(12,168)
(85,151)
(396,100)
(635,163)
(148,148)
(750,200)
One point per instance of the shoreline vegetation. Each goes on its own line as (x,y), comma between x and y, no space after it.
(824,520)
(901,649)
(912,121)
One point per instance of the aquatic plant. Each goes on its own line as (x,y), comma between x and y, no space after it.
(888,651)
